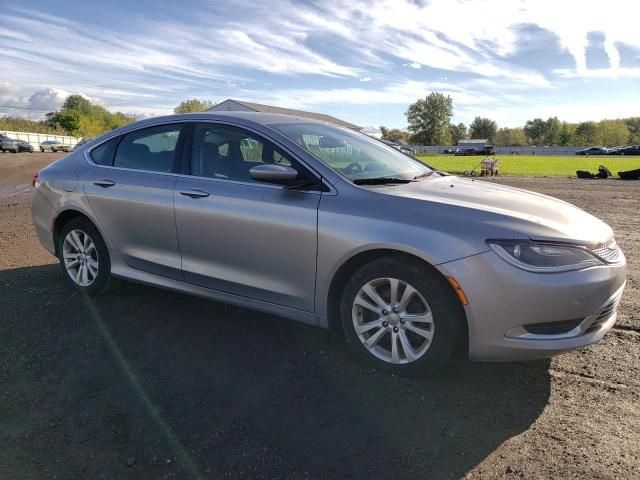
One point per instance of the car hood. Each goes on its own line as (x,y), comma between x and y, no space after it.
(499,211)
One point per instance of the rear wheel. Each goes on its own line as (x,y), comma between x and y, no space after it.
(401,316)
(84,257)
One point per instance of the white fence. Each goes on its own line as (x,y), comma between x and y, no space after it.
(36,138)
(528,150)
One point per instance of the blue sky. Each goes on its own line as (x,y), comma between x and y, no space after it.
(365,62)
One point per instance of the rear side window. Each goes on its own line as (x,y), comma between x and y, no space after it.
(150,149)
(103,155)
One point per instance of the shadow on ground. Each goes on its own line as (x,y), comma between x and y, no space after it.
(144,383)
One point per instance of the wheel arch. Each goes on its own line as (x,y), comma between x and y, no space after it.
(65,217)
(344,272)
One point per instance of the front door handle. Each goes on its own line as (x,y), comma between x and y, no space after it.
(194,193)
(104,183)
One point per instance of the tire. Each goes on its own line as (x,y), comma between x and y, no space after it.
(98,277)
(443,307)
(42,149)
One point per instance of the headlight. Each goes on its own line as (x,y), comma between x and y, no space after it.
(544,257)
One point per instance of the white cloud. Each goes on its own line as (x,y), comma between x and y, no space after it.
(37,103)
(244,49)
(49,99)
(8,88)
(400,93)
(613,73)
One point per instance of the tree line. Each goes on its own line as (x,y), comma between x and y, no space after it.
(429,123)
(79,117)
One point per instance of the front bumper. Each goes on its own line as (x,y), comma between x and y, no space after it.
(502,299)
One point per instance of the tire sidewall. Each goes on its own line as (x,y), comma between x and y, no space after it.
(104,262)
(448,313)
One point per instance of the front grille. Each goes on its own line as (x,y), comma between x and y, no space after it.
(608,252)
(553,328)
(606,312)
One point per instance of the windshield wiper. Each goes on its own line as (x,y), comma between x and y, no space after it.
(423,175)
(381,180)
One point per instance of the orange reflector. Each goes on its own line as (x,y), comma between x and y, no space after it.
(456,286)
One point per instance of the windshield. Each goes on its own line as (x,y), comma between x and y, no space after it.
(356,156)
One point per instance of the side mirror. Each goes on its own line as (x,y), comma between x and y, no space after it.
(273,173)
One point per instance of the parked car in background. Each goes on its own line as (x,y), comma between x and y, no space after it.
(451,150)
(8,144)
(25,146)
(331,227)
(593,151)
(54,146)
(630,150)
(15,146)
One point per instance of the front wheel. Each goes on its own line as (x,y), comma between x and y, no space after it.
(401,316)
(84,257)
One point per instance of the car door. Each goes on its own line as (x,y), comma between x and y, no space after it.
(130,190)
(239,236)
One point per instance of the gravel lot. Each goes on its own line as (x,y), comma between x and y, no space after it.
(144,383)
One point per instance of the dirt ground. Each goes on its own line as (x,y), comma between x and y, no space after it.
(144,383)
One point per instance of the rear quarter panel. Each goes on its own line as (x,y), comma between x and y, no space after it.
(60,190)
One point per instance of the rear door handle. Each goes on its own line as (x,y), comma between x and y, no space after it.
(104,183)
(194,193)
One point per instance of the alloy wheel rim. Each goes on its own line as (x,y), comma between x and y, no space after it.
(80,257)
(393,320)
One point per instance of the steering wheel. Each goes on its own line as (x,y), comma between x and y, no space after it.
(353,167)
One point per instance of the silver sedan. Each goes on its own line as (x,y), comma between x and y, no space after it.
(54,146)
(330,227)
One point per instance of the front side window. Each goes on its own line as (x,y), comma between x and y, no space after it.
(356,156)
(150,149)
(229,153)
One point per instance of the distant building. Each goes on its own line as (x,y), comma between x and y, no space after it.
(473,143)
(241,106)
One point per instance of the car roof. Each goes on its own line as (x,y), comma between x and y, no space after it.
(259,118)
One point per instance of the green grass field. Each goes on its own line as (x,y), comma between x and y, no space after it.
(533,165)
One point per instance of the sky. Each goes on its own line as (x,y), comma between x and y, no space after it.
(362,61)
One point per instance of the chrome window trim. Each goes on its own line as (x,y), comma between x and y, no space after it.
(87,157)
